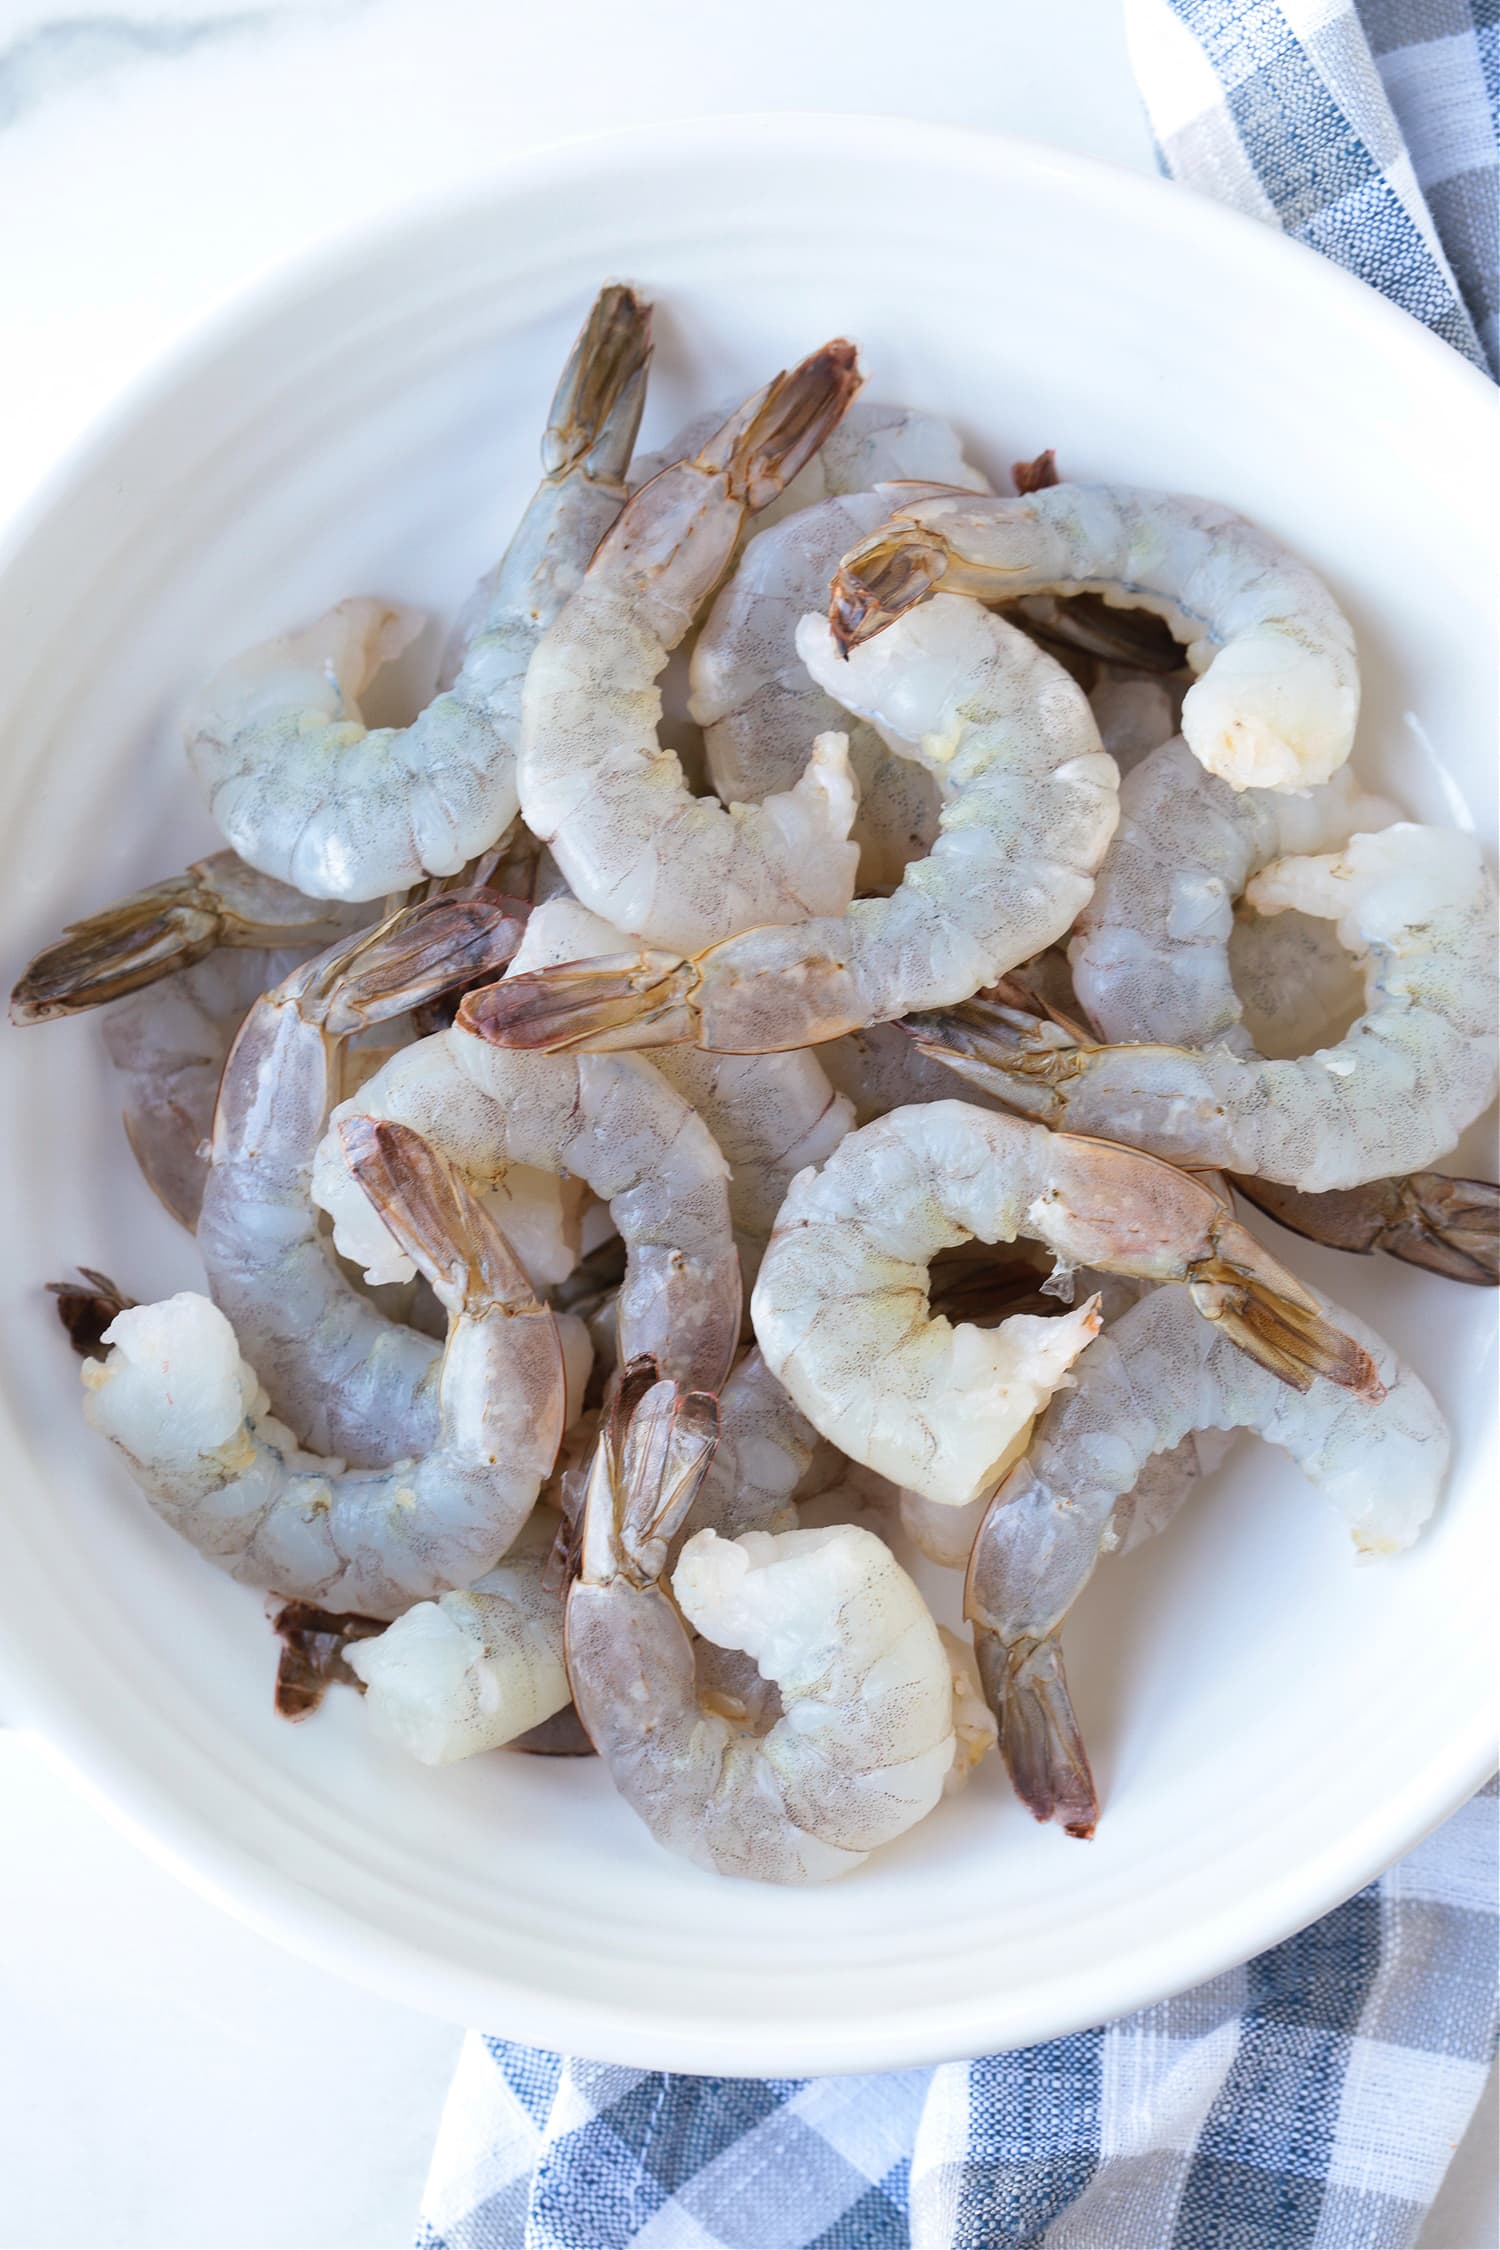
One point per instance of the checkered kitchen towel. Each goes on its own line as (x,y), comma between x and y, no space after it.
(1309,2101)
(1314,2097)
(1366,128)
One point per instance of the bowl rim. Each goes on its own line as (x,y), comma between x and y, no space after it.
(68,1718)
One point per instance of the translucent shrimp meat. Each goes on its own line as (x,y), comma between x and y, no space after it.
(841,1306)
(474,1669)
(1276,695)
(1156,1376)
(1029,803)
(611,1121)
(347,1378)
(759,708)
(197,1432)
(597,784)
(295,779)
(865,1737)
(1151,955)
(1417,906)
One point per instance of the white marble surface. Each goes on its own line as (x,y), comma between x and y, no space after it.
(166,2077)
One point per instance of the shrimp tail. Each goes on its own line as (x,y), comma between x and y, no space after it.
(618,1001)
(894,570)
(652,1457)
(1020,1059)
(1447,1226)
(414,954)
(1265,1311)
(1026,1688)
(790,420)
(596,409)
(434,1215)
(167,926)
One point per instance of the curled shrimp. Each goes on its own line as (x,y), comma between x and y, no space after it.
(475,1668)
(1151,954)
(596,783)
(347,1378)
(167,927)
(865,1738)
(297,782)
(841,1309)
(1158,1374)
(757,704)
(197,1432)
(611,1121)
(1418,905)
(1029,803)
(1277,690)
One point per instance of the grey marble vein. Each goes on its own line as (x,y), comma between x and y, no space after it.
(55,57)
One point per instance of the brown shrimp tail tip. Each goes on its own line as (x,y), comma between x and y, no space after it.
(1027,1689)
(892,571)
(798,411)
(1267,1312)
(143,938)
(430,1210)
(596,409)
(1447,1226)
(450,939)
(1015,1056)
(653,1454)
(617,1002)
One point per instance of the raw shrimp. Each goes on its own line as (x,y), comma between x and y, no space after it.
(198,1435)
(1277,692)
(609,1120)
(766,1444)
(1150,959)
(170,1042)
(475,1668)
(1157,1375)
(1029,806)
(169,926)
(759,708)
(596,783)
(296,781)
(770,1114)
(1134,717)
(348,1379)
(1391,1096)
(946,1535)
(866,1736)
(841,1309)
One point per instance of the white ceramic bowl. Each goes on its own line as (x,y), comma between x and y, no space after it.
(1270,1724)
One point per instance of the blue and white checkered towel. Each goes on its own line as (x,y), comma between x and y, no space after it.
(1366,128)
(1311,2100)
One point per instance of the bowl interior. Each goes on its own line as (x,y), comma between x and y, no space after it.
(1264,1732)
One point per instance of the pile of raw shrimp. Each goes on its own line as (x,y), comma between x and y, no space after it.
(638,1211)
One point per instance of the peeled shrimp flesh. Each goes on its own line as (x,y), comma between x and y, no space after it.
(197,1432)
(1029,804)
(1156,1376)
(294,778)
(865,1738)
(1276,695)
(841,1306)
